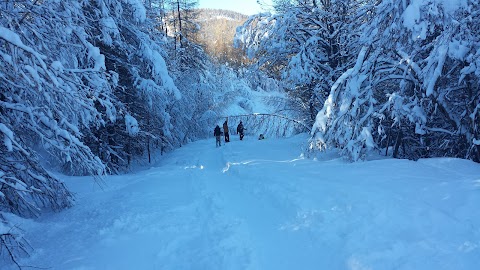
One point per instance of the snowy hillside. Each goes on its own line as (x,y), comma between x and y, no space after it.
(94,89)
(259,205)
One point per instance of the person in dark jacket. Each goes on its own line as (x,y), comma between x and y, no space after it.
(217,133)
(240,130)
(225,131)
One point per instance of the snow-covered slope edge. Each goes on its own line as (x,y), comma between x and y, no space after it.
(260,205)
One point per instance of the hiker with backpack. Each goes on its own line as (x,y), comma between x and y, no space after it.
(217,133)
(240,130)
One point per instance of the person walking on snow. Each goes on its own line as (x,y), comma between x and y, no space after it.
(217,133)
(240,130)
(225,131)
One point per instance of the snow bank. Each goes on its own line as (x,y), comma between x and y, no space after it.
(261,205)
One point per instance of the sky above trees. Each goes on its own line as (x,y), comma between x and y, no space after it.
(247,7)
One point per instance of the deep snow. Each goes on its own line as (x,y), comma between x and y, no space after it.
(259,205)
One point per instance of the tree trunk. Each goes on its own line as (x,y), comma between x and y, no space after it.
(148,139)
(388,142)
(397,144)
(179,23)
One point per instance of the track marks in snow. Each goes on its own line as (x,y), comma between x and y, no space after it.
(259,205)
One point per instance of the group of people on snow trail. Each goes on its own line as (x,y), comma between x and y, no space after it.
(217,132)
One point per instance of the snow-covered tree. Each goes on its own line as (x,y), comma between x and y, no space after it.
(182,20)
(135,52)
(307,44)
(415,84)
(53,88)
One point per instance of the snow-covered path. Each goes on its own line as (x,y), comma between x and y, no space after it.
(259,205)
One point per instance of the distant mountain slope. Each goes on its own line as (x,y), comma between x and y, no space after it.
(217,29)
